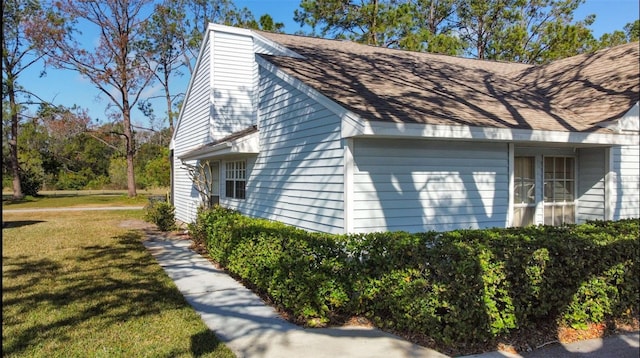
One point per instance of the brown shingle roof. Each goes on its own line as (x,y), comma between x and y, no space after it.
(402,86)
(600,86)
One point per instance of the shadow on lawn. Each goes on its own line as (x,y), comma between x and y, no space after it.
(19,223)
(104,284)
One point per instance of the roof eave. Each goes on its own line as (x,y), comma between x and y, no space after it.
(248,145)
(511,135)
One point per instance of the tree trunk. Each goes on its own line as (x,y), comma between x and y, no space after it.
(128,134)
(13,144)
(167,95)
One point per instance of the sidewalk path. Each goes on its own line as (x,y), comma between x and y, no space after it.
(625,345)
(250,328)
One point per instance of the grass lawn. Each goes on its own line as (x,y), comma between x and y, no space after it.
(80,198)
(76,284)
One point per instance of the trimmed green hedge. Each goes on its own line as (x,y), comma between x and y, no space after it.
(460,287)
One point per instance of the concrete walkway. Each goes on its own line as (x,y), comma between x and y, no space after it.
(621,346)
(250,328)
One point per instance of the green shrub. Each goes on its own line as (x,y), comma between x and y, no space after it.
(30,181)
(464,287)
(162,214)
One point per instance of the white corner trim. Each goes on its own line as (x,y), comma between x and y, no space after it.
(511,169)
(348,185)
(609,185)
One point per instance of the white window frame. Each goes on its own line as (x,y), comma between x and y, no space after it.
(551,206)
(235,179)
(525,207)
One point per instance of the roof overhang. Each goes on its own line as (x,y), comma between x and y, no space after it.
(362,128)
(355,126)
(245,145)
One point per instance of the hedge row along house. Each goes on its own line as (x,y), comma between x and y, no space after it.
(338,137)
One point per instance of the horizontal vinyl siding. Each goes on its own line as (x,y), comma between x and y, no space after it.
(626,191)
(234,71)
(416,186)
(298,177)
(192,132)
(591,184)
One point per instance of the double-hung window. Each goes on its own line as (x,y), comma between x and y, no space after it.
(559,190)
(235,179)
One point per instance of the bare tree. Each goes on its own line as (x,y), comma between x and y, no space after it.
(201,174)
(112,65)
(162,46)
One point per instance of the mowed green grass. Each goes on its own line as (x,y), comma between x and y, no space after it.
(82,198)
(77,284)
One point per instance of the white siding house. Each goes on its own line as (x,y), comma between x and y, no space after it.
(338,137)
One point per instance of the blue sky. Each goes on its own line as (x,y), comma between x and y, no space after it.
(69,88)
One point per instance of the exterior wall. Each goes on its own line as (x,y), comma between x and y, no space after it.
(298,177)
(233,72)
(419,185)
(625,182)
(221,101)
(591,184)
(192,131)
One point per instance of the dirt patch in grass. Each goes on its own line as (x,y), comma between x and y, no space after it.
(134,224)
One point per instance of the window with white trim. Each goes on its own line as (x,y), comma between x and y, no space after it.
(235,179)
(524,198)
(559,190)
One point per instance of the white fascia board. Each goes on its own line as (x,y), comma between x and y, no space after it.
(392,129)
(228,29)
(273,47)
(351,123)
(245,145)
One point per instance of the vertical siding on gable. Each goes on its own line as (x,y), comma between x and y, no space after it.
(298,177)
(418,185)
(626,182)
(591,184)
(233,79)
(193,131)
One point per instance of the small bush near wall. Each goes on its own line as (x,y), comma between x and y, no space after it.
(463,287)
(160,213)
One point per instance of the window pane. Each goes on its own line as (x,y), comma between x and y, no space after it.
(569,169)
(523,216)
(240,189)
(229,188)
(529,191)
(569,194)
(548,215)
(559,168)
(569,214)
(548,190)
(548,167)
(524,180)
